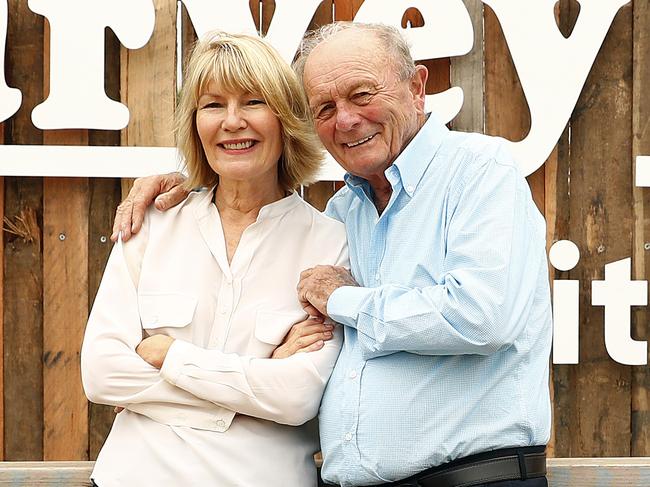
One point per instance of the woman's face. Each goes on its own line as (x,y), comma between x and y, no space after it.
(240,134)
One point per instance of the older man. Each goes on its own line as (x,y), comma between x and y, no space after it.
(443,376)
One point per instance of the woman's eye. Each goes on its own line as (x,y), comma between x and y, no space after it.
(256,101)
(213,104)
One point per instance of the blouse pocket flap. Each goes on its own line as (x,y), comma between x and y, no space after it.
(166,310)
(272,326)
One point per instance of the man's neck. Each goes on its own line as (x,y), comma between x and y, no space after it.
(381,196)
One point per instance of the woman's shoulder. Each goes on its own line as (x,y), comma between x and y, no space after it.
(320,219)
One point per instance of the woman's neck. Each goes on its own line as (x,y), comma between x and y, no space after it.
(245,197)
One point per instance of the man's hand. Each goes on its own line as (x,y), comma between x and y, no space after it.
(318,283)
(305,336)
(154,349)
(163,190)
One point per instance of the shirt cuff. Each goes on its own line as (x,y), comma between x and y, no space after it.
(345,303)
(175,360)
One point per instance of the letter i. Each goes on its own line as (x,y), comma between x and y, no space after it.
(564,256)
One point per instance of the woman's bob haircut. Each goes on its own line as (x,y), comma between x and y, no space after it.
(242,63)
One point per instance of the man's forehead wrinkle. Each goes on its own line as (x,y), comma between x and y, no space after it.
(339,81)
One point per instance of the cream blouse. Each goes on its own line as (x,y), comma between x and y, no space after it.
(220,412)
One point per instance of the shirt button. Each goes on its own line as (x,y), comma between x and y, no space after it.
(348,436)
(221,423)
(409,189)
(377,276)
(353,374)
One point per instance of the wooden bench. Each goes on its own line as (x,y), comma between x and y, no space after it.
(562,472)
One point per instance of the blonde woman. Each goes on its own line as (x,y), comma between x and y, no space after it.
(211,285)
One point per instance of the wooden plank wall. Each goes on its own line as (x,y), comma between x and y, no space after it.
(56,231)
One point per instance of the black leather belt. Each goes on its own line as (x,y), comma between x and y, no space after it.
(509,464)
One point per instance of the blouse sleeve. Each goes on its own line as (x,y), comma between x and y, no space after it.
(286,391)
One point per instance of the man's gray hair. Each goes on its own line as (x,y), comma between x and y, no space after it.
(395,45)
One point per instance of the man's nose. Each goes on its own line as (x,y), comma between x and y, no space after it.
(346,118)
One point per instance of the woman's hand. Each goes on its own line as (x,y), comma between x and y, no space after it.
(164,190)
(305,336)
(154,349)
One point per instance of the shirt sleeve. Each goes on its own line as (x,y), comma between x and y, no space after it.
(494,255)
(112,372)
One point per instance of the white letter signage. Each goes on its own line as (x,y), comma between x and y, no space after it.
(552,69)
(617,293)
(447,31)
(77,97)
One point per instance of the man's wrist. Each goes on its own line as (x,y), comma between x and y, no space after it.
(345,303)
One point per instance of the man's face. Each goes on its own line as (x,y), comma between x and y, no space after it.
(363,113)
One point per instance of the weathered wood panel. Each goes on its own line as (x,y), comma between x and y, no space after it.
(557,213)
(2,250)
(65,311)
(46,474)
(104,196)
(65,300)
(468,73)
(23,268)
(152,111)
(641,146)
(601,225)
(598,472)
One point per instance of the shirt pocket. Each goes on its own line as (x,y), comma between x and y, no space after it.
(166,311)
(272,326)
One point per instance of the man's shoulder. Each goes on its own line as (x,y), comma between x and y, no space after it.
(469,155)
(339,204)
(479,148)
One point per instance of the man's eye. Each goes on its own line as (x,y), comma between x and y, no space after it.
(324,111)
(361,97)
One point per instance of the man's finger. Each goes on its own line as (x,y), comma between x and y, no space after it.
(171,198)
(306,273)
(138,210)
(123,209)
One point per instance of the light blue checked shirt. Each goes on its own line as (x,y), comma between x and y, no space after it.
(447,340)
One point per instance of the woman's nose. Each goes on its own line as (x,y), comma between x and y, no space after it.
(234,119)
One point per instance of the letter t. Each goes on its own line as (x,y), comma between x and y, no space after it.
(618,293)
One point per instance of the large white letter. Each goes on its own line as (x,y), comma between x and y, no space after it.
(290,20)
(552,69)
(10,98)
(77,97)
(447,31)
(617,293)
(564,255)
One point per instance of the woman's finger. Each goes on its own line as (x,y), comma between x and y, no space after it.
(313,347)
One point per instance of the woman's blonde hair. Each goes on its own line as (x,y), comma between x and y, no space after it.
(238,62)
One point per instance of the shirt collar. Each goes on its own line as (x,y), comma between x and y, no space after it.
(272,210)
(411,164)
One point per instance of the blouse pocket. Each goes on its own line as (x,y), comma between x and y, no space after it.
(166,310)
(272,326)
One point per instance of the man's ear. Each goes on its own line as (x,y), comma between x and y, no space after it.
(418,86)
